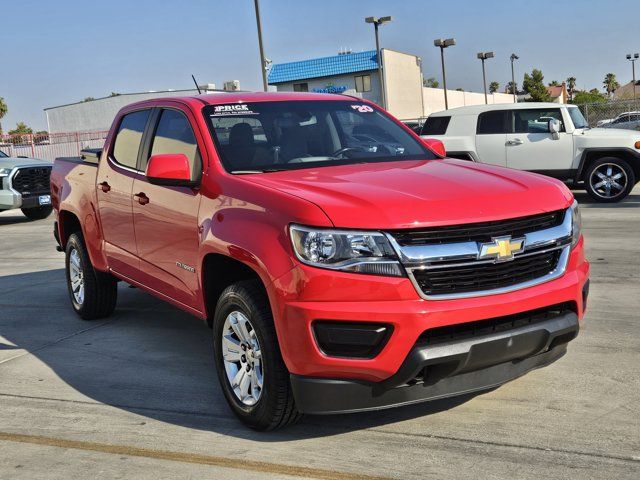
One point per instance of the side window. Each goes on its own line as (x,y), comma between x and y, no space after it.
(363,83)
(435,126)
(535,120)
(300,87)
(175,135)
(494,122)
(127,142)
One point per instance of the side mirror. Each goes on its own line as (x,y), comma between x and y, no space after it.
(554,128)
(170,169)
(436,146)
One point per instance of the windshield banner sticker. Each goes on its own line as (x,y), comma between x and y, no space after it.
(362,108)
(234,109)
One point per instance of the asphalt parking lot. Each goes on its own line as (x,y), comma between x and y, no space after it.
(136,396)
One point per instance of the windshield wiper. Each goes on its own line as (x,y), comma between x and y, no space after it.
(248,172)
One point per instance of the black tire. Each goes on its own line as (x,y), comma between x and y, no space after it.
(618,165)
(37,213)
(100,289)
(275,407)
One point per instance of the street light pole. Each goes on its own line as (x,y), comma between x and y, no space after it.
(483,56)
(377,21)
(513,57)
(263,63)
(439,42)
(633,59)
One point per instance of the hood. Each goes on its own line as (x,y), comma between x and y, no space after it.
(411,194)
(11,162)
(613,133)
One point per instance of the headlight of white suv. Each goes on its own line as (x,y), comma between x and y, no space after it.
(4,172)
(576,224)
(349,251)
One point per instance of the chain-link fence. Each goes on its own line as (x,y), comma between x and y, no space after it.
(48,146)
(598,114)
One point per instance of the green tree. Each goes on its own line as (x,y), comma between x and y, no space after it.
(459,89)
(114,94)
(88,99)
(3,111)
(493,87)
(554,83)
(20,133)
(511,87)
(610,83)
(571,87)
(533,84)
(593,96)
(430,82)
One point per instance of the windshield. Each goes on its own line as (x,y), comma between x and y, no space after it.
(272,136)
(3,155)
(577,118)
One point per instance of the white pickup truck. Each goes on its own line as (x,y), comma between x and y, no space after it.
(24,184)
(547,138)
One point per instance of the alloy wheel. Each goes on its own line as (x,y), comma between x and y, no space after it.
(608,180)
(76,276)
(242,358)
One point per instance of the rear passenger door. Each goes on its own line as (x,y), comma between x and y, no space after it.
(166,217)
(114,183)
(491,136)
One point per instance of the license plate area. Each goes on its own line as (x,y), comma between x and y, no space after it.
(44,200)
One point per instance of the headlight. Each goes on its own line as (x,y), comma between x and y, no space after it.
(350,251)
(576,224)
(4,172)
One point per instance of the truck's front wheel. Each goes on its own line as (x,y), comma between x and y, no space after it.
(251,371)
(93,293)
(609,179)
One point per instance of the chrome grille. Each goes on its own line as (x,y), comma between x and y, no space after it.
(441,268)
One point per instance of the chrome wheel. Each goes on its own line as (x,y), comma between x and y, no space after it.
(242,358)
(608,180)
(76,276)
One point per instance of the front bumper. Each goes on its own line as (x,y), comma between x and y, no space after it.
(445,369)
(9,199)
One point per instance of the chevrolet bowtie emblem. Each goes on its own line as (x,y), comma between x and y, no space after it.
(501,248)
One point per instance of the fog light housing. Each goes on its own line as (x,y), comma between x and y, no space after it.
(351,339)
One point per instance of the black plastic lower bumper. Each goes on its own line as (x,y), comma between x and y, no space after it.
(444,370)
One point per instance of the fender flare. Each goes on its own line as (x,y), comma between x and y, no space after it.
(626,153)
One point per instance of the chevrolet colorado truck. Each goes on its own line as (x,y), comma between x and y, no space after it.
(24,184)
(342,263)
(546,138)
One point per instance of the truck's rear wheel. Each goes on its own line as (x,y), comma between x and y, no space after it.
(251,371)
(609,179)
(93,293)
(37,213)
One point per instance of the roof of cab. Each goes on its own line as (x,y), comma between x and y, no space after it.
(247,97)
(477,109)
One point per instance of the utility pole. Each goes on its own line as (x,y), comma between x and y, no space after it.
(633,59)
(514,57)
(377,21)
(263,63)
(483,56)
(444,43)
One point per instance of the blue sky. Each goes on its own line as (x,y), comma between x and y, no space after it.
(63,51)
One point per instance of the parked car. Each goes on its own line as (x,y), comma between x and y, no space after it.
(628,121)
(415,125)
(24,184)
(335,277)
(545,138)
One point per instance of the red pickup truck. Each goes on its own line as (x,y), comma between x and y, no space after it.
(342,263)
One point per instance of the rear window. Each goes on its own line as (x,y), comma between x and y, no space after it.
(493,122)
(435,126)
(127,142)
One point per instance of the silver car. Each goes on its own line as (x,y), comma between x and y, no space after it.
(24,184)
(627,121)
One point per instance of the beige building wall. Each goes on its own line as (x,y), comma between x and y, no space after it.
(433,99)
(403,84)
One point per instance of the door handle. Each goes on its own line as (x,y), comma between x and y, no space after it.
(515,141)
(142,198)
(105,186)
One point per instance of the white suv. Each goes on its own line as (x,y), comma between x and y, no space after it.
(546,138)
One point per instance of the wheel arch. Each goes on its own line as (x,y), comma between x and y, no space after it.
(590,155)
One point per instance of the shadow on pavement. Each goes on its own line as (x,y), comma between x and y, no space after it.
(585,200)
(148,358)
(14,218)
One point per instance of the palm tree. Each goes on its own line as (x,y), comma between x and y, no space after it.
(3,111)
(571,86)
(493,87)
(610,83)
(554,83)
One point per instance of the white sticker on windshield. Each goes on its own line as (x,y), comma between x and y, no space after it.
(233,109)
(362,108)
